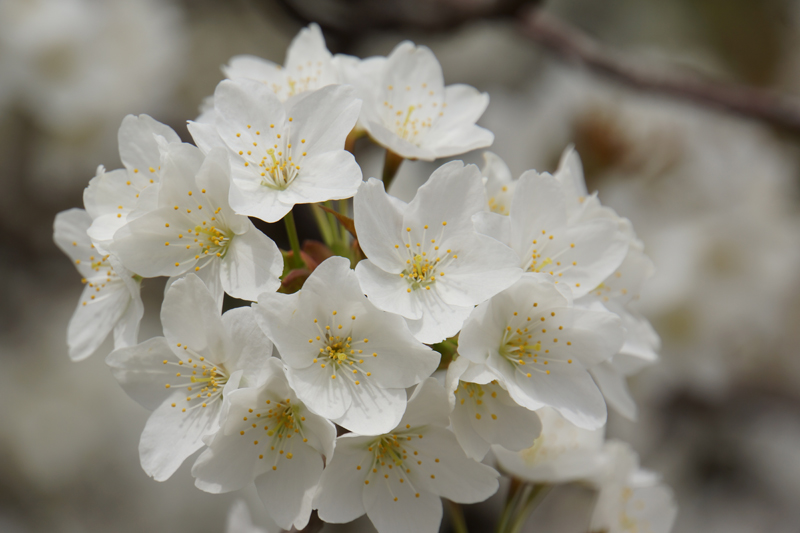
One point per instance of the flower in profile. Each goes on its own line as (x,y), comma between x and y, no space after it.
(195,230)
(239,521)
(631,499)
(397,478)
(347,360)
(113,198)
(618,292)
(307,66)
(562,453)
(548,244)
(269,436)
(425,261)
(485,414)
(499,183)
(539,348)
(282,154)
(182,376)
(110,300)
(409,111)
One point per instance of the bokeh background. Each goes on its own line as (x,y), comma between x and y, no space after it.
(712,195)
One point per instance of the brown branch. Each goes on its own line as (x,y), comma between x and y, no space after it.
(575,45)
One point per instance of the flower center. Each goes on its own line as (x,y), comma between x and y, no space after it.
(203,379)
(216,241)
(338,352)
(278,171)
(522,346)
(424,261)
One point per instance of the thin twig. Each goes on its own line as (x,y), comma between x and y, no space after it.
(575,45)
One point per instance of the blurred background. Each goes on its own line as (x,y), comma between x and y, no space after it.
(713,195)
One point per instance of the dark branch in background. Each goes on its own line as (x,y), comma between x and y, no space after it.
(573,44)
(350,20)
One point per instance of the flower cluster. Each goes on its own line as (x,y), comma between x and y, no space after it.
(373,372)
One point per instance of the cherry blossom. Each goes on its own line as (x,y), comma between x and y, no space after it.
(110,300)
(425,260)
(183,376)
(347,360)
(396,478)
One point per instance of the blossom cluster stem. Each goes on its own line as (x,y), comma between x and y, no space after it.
(457,517)
(294,240)
(391,164)
(522,500)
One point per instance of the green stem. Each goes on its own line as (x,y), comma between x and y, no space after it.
(391,164)
(343,211)
(294,241)
(535,497)
(324,225)
(457,517)
(512,499)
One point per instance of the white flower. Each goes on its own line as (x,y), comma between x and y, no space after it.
(239,520)
(485,414)
(641,342)
(347,360)
(408,110)
(183,375)
(397,478)
(539,347)
(282,154)
(110,300)
(307,67)
(616,293)
(631,499)
(425,261)
(195,230)
(269,437)
(499,183)
(112,198)
(561,454)
(579,255)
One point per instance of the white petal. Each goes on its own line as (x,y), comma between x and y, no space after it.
(288,491)
(455,476)
(141,244)
(614,388)
(475,446)
(573,394)
(254,68)
(322,394)
(455,132)
(138,144)
(452,194)
(388,291)
(274,313)
(190,317)
(331,175)
(69,234)
(324,118)
(395,507)
(401,360)
(95,316)
(373,410)
(484,267)
(250,349)
(338,498)
(427,405)
(251,265)
(378,224)
(205,134)
(141,371)
(171,435)
(440,319)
